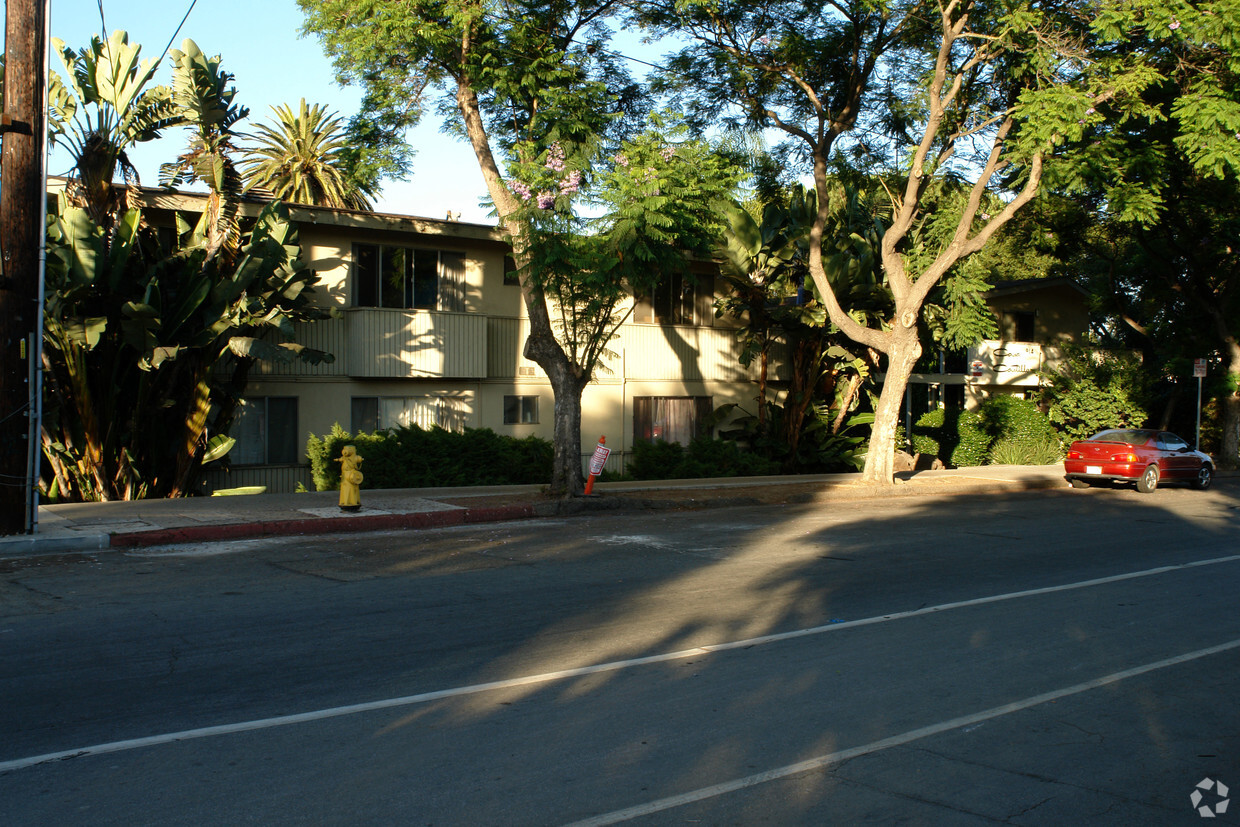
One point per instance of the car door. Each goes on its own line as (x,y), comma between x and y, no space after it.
(1180,462)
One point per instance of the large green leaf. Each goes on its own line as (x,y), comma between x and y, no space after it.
(217,447)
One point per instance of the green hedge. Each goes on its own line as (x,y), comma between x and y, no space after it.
(413,458)
(1004,430)
(957,437)
(1023,434)
(703,458)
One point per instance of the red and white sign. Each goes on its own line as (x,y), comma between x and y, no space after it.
(1199,368)
(601,453)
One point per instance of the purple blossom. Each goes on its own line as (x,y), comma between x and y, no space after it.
(621,159)
(555,157)
(1175,24)
(570,183)
(667,152)
(520,189)
(546,200)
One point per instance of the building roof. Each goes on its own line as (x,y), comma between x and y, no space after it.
(1016,286)
(252,204)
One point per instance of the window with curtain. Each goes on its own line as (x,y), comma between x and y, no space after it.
(408,278)
(671,418)
(266,431)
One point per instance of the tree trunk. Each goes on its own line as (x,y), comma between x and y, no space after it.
(1229,455)
(541,346)
(905,351)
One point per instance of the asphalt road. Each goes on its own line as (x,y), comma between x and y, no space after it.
(1042,658)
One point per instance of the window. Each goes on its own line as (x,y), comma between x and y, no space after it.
(377,413)
(681,298)
(266,431)
(671,418)
(511,276)
(520,410)
(408,278)
(1019,325)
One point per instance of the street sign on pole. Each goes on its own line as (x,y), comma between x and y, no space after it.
(1199,370)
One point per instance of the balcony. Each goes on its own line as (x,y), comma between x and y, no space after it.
(415,344)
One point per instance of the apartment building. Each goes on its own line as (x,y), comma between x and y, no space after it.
(431,331)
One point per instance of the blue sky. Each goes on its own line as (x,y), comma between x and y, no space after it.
(260,44)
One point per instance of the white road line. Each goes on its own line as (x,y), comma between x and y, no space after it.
(582,671)
(822,761)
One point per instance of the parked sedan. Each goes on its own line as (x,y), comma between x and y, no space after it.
(1136,455)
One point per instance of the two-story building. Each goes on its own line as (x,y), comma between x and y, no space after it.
(431,333)
(1036,318)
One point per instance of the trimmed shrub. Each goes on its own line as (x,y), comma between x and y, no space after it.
(956,437)
(1023,435)
(410,457)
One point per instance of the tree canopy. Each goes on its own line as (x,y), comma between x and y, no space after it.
(554,119)
(993,97)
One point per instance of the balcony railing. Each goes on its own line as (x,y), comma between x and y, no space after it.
(406,344)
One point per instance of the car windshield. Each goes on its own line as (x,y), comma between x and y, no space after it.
(1132,437)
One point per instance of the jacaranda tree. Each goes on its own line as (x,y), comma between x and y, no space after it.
(547,109)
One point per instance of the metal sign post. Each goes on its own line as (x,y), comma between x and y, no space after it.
(1199,370)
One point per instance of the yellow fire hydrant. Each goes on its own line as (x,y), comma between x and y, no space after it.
(350,479)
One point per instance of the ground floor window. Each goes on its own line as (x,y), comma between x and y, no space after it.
(376,413)
(266,431)
(520,410)
(671,418)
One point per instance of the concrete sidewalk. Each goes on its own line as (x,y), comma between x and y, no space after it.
(83,527)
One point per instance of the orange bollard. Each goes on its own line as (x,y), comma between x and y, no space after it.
(601,452)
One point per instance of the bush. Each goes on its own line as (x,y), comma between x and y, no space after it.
(413,458)
(703,458)
(1096,390)
(1023,435)
(956,437)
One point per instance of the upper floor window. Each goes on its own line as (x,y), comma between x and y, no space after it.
(1019,325)
(680,298)
(408,278)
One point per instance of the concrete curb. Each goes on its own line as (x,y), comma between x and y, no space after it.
(554,508)
(329,525)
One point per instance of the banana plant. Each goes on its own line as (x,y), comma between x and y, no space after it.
(103,107)
(202,96)
(140,328)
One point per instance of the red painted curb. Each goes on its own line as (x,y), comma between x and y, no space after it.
(327,525)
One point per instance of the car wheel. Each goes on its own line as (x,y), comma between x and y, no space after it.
(1075,483)
(1204,477)
(1148,480)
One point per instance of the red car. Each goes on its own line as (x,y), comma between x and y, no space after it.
(1137,455)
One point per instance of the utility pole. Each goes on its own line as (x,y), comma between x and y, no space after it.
(23,200)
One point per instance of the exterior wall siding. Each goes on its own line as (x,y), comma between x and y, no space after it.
(399,344)
(687,354)
(329,335)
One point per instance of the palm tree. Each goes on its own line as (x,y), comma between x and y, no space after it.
(303,159)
